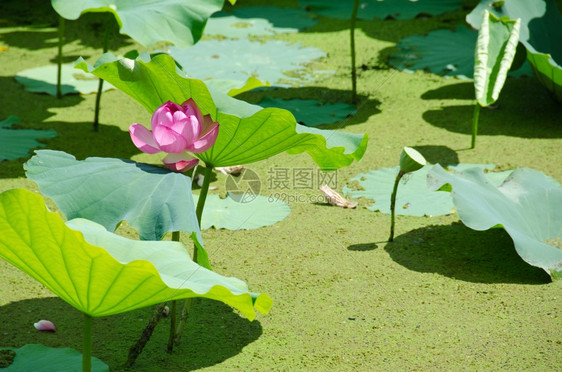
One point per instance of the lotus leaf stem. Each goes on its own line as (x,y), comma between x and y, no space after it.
(136,349)
(173,309)
(393,204)
(87,344)
(207,174)
(59,57)
(475,124)
(352,44)
(100,85)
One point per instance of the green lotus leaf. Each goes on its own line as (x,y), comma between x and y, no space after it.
(495,49)
(149,21)
(443,52)
(234,87)
(268,61)
(40,358)
(101,273)
(526,205)
(44,80)
(541,32)
(369,9)
(411,160)
(230,214)
(153,199)
(17,143)
(248,133)
(311,112)
(413,197)
(258,20)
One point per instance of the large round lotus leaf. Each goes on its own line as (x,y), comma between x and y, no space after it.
(101,273)
(526,205)
(262,20)
(311,112)
(17,143)
(248,133)
(369,9)
(40,358)
(257,211)
(44,80)
(413,197)
(147,21)
(541,32)
(241,59)
(442,52)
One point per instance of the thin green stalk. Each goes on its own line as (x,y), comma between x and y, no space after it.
(352,42)
(136,349)
(183,319)
(475,124)
(87,344)
(393,204)
(59,57)
(173,310)
(100,85)
(207,174)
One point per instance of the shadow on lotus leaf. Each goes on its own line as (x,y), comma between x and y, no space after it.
(213,333)
(458,252)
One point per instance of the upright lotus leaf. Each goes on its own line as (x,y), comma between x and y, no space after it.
(40,358)
(526,205)
(248,133)
(153,199)
(369,9)
(17,143)
(495,49)
(410,161)
(101,273)
(541,32)
(148,21)
(229,214)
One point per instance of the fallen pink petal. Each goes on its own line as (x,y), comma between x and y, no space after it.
(45,325)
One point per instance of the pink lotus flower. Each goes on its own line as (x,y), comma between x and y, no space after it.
(45,325)
(178,131)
